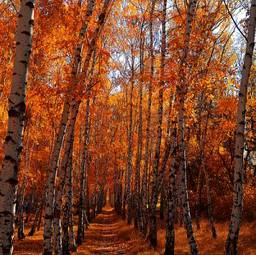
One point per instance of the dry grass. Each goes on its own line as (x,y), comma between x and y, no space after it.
(207,245)
(30,245)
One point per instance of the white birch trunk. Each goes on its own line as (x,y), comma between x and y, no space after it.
(236,215)
(62,174)
(148,129)
(16,116)
(137,216)
(181,95)
(84,167)
(154,194)
(128,197)
(50,186)
(50,189)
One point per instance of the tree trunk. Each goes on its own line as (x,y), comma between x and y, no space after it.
(85,71)
(50,185)
(40,216)
(154,195)
(72,240)
(119,193)
(50,189)
(16,117)
(84,169)
(181,94)
(62,176)
(144,191)
(162,202)
(201,143)
(21,234)
(87,198)
(207,181)
(128,198)
(31,197)
(236,215)
(36,219)
(118,190)
(65,238)
(209,204)
(198,198)
(138,216)
(68,233)
(170,230)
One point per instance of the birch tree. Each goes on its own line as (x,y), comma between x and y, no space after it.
(137,219)
(182,89)
(236,215)
(16,118)
(154,193)
(83,181)
(128,195)
(145,178)
(50,187)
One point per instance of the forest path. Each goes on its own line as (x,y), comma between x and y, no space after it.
(108,234)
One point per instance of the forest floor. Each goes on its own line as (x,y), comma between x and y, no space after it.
(206,244)
(109,234)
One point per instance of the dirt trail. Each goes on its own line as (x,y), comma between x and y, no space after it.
(108,234)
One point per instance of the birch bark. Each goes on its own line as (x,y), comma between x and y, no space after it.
(181,154)
(138,216)
(236,215)
(128,194)
(144,190)
(16,118)
(84,166)
(154,193)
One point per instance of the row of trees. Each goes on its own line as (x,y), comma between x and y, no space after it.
(134,97)
(81,78)
(180,58)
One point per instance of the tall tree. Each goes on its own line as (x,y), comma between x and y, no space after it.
(236,215)
(16,118)
(182,89)
(128,192)
(83,180)
(171,195)
(154,192)
(145,178)
(50,187)
(137,219)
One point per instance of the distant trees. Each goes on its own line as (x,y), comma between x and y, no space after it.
(194,85)
(133,101)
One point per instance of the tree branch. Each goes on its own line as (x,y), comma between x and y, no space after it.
(230,14)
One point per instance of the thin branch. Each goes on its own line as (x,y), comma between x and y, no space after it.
(230,14)
(14,7)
